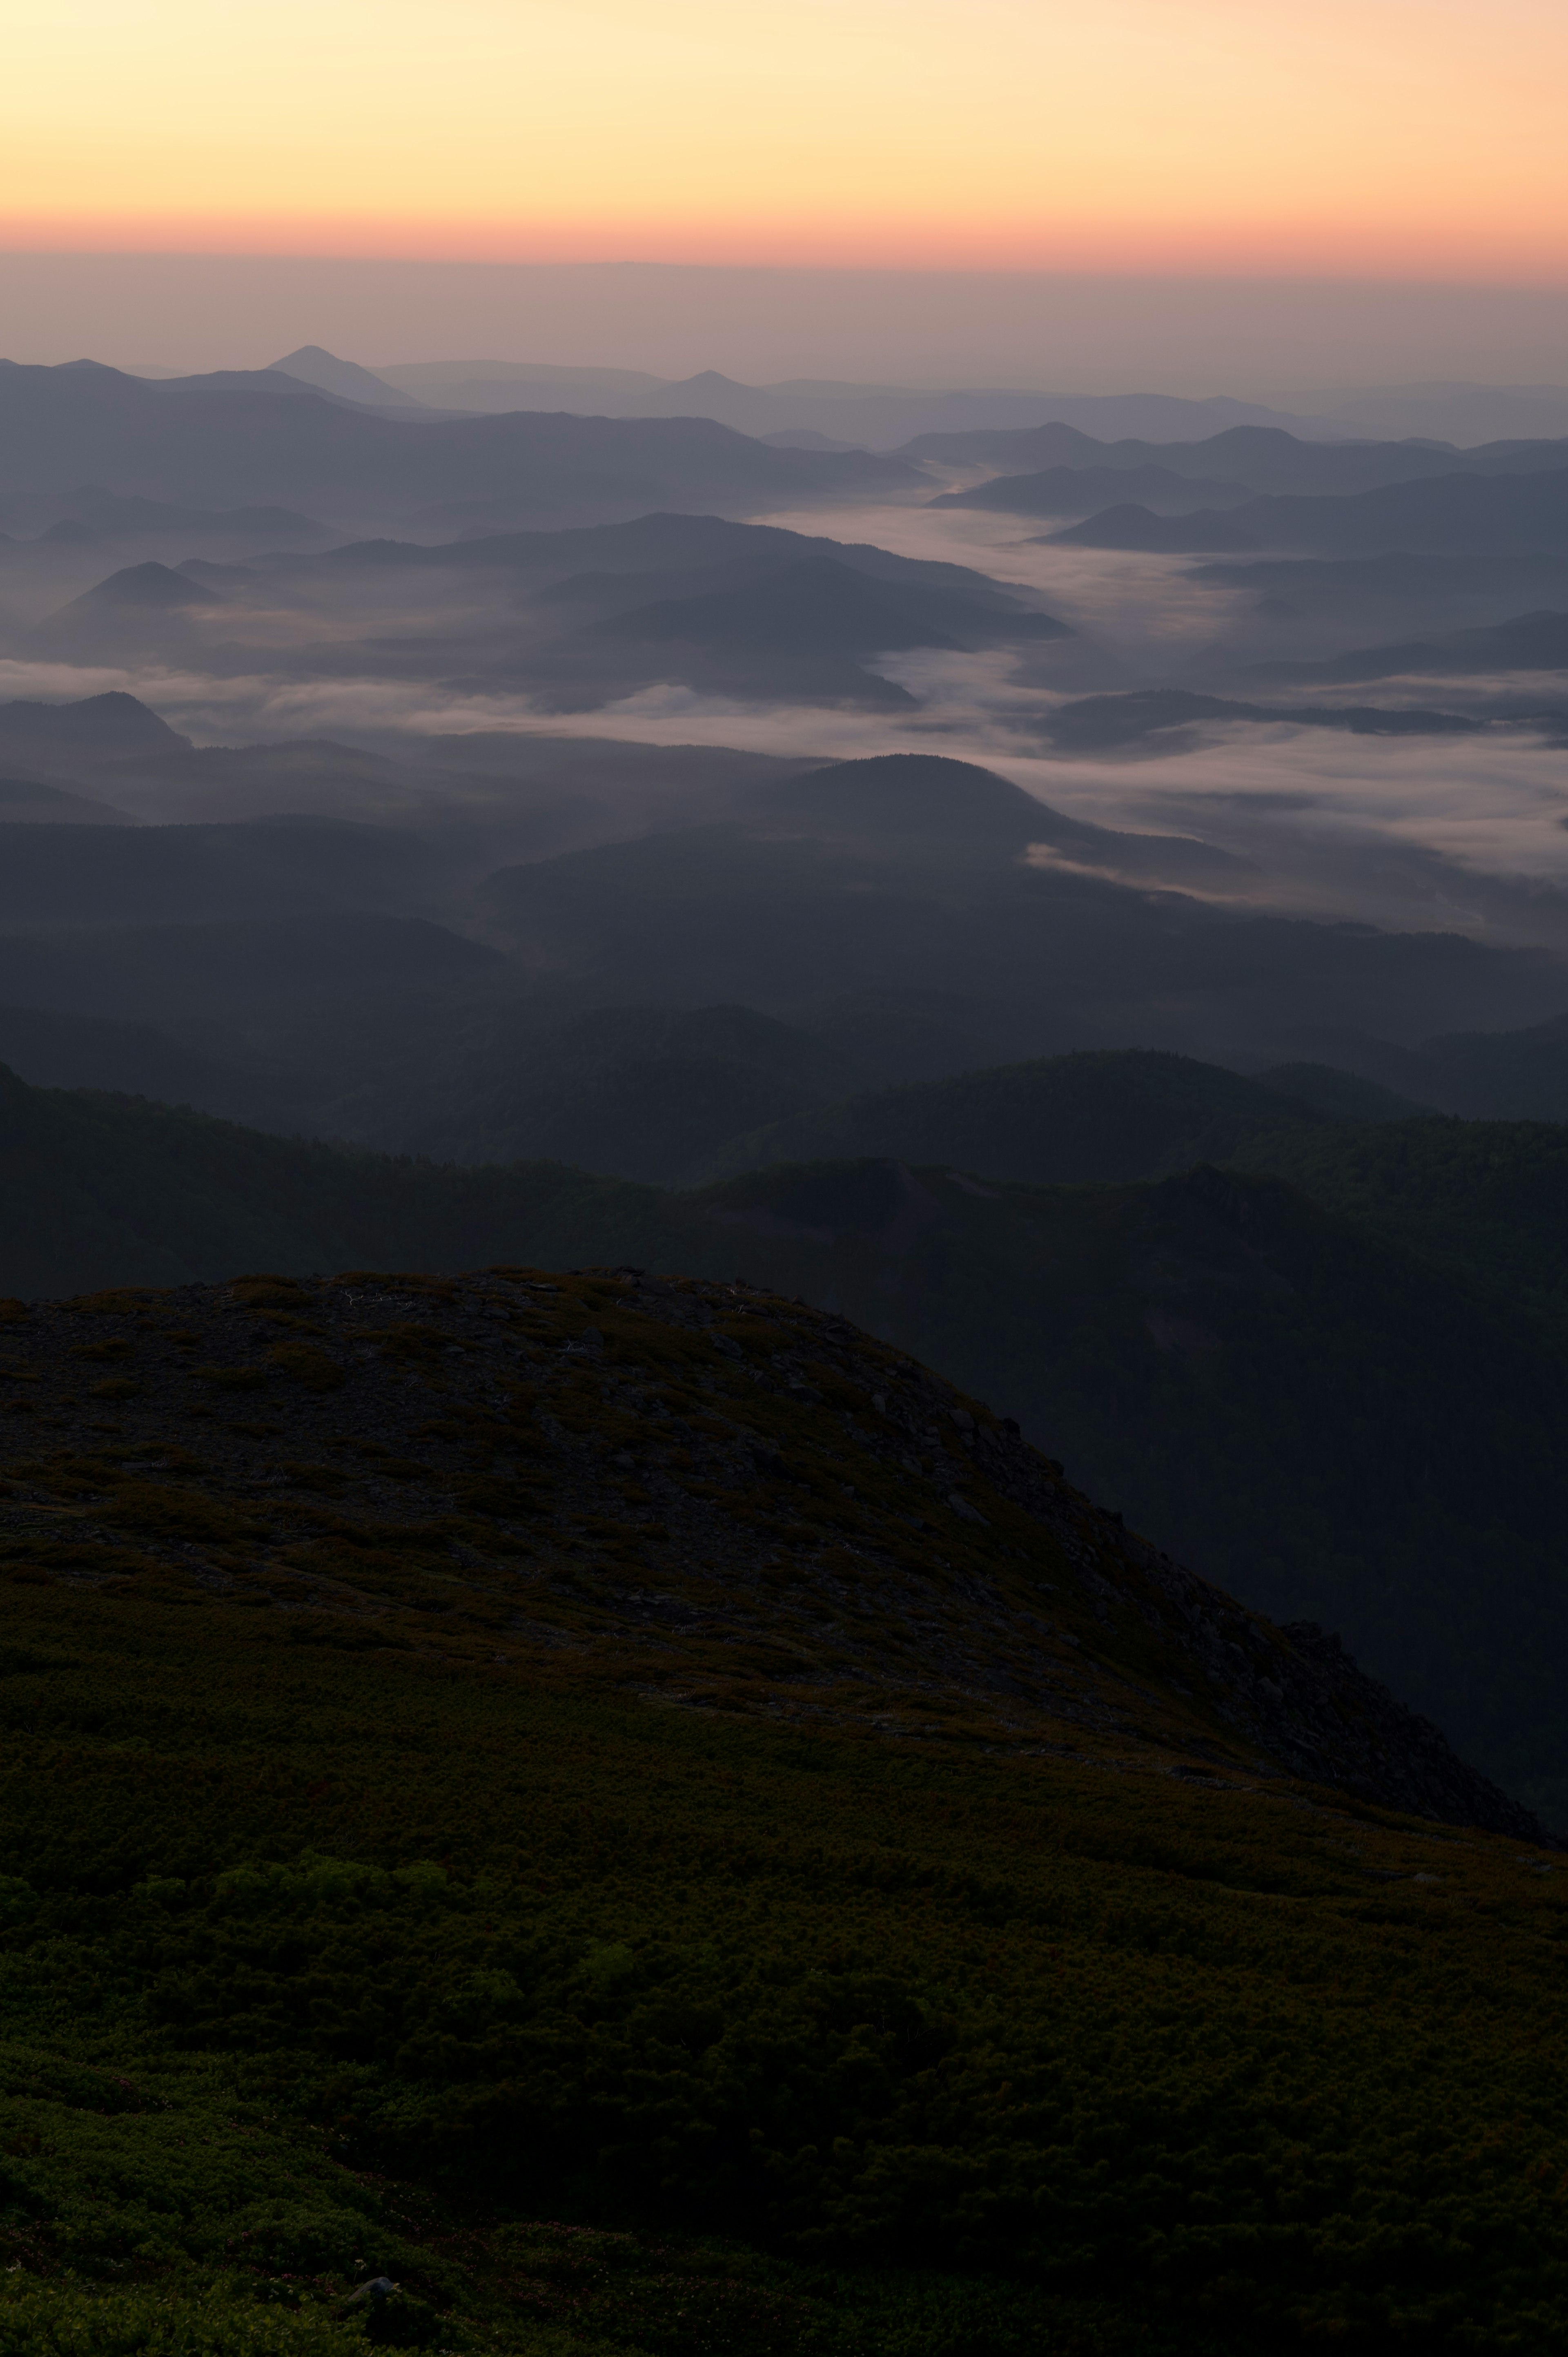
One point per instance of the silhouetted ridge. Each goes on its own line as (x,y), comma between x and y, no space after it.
(821,606)
(1133,527)
(112,725)
(910,793)
(152,586)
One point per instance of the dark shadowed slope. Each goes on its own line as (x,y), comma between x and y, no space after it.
(1094,723)
(1377,598)
(720,914)
(1526,642)
(640,1093)
(62,737)
(650,1758)
(709,550)
(1114,1114)
(802,1387)
(156,588)
(1265,459)
(235,966)
(76,875)
(1216,1352)
(1128,525)
(312,365)
(822,607)
(894,796)
(1442,515)
(1081,491)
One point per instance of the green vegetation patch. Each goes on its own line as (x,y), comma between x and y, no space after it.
(319,1958)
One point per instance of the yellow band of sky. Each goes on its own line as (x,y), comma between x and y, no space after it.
(1416,136)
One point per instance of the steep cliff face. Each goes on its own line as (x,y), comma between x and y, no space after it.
(698,1494)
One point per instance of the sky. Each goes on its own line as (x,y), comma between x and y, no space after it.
(1405,139)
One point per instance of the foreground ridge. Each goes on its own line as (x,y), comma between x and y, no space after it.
(696,1493)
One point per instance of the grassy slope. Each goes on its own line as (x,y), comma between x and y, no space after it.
(1215,1357)
(319,1958)
(1312,1415)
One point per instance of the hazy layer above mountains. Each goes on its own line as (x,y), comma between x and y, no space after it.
(1294,342)
(882,417)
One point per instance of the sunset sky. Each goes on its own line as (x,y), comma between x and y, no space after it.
(1416,138)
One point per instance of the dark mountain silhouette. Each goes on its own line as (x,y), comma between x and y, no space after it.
(737,609)
(1093,722)
(897,804)
(658,547)
(141,609)
(1263,457)
(1010,449)
(61,738)
(805,438)
(159,588)
(94,513)
(1347,1096)
(267,438)
(639,1092)
(1216,1347)
(311,365)
(822,607)
(715,914)
(914,794)
(1076,491)
(28,801)
(1133,527)
(1398,589)
(146,875)
(1059,1120)
(1485,1075)
(864,416)
(53,1049)
(1440,515)
(228,969)
(1527,642)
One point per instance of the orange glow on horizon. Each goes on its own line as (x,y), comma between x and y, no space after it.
(1408,138)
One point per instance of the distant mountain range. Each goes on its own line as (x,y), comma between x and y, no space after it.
(1439,515)
(237,440)
(875,417)
(1388,593)
(345,379)
(1102,722)
(91,514)
(879,416)
(1258,459)
(584,616)
(1527,642)
(900,878)
(1077,490)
